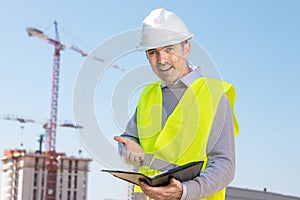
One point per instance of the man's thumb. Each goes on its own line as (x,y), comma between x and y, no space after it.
(173,180)
(120,139)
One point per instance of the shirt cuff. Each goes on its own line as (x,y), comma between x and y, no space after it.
(184,192)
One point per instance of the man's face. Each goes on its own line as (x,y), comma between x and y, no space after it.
(169,63)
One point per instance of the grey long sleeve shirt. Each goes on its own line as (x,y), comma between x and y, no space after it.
(220,148)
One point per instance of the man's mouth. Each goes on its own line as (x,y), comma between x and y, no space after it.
(165,67)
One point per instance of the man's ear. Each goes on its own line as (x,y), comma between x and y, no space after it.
(187,49)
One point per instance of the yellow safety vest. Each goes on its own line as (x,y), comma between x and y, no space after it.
(184,137)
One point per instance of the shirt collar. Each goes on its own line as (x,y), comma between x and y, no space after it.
(188,79)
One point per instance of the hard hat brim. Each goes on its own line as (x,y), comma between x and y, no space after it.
(154,38)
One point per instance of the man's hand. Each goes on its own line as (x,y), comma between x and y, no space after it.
(133,152)
(173,191)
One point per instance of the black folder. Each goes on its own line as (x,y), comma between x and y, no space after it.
(182,173)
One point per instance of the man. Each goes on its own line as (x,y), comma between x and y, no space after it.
(182,118)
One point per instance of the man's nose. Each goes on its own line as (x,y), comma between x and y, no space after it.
(162,57)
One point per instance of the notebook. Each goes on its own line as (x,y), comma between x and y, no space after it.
(181,173)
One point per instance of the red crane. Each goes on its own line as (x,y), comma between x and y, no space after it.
(51,154)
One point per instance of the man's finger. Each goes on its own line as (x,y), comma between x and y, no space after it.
(141,157)
(128,154)
(137,158)
(120,139)
(172,181)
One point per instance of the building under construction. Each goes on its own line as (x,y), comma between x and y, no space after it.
(24,176)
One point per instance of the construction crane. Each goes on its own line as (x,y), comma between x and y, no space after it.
(51,154)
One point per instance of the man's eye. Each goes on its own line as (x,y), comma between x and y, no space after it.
(169,49)
(151,53)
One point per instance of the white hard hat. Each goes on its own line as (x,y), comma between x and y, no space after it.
(161,28)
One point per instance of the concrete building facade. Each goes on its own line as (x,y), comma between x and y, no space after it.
(24,176)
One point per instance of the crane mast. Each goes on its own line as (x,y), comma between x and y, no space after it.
(51,164)
(54,98)
(51,126)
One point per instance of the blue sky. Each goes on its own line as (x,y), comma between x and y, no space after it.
(254,44)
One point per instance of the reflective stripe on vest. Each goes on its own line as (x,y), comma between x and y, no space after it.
(184,137)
